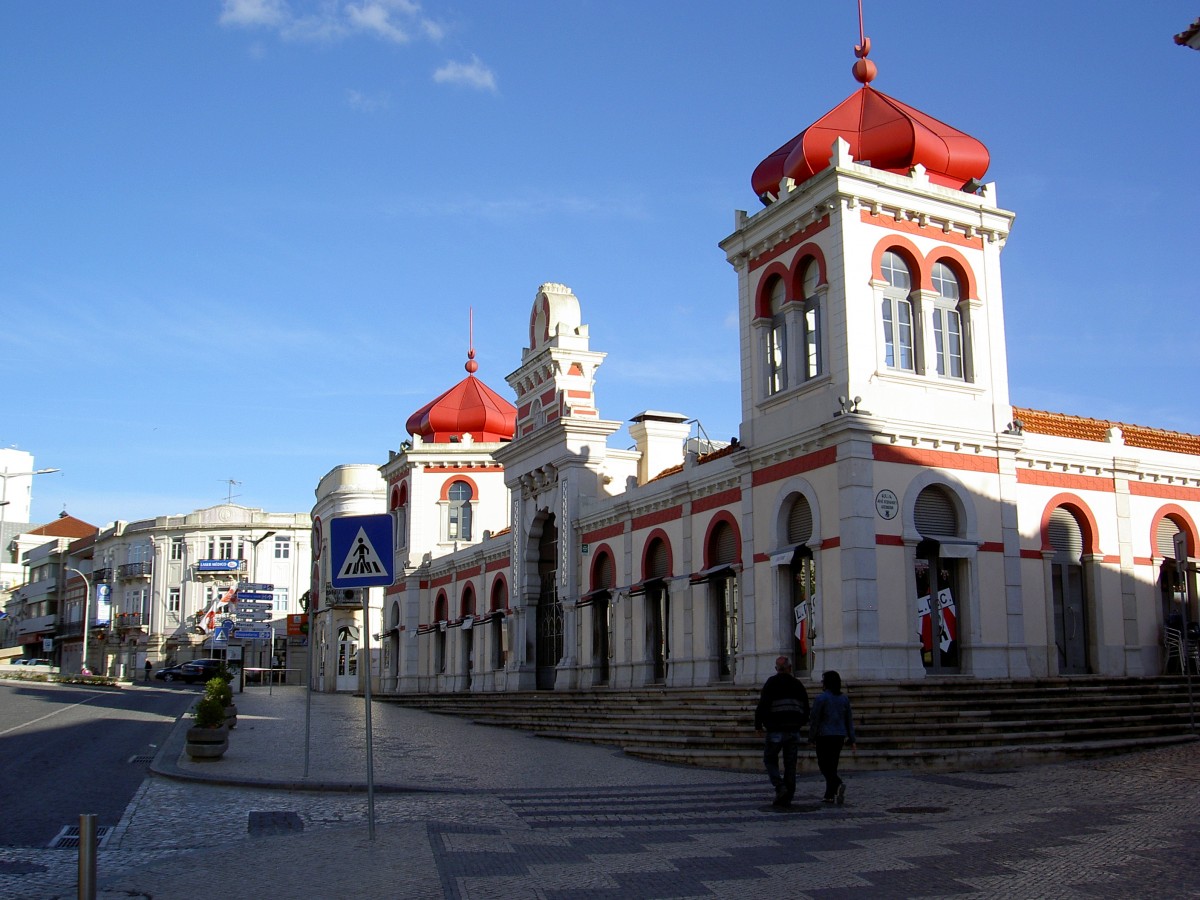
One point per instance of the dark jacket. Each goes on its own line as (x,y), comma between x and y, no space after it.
(831,717)
(782,705)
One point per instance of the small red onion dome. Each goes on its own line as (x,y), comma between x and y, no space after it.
(470,407)
(881,130)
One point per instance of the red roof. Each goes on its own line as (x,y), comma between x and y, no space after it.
(65,526)
(470,407)
(881,130)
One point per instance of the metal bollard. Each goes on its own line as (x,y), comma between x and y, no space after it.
(87,856)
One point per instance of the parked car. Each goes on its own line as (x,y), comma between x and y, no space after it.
(170,673)
(192,671)
(38,662)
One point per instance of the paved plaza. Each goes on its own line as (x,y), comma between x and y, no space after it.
(466,811)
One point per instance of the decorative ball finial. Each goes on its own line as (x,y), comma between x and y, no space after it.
(864,70)
(472,367)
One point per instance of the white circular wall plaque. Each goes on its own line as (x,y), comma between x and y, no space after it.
(886,504)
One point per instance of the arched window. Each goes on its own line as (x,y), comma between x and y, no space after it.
(440,614)
(458,522)
(947,323)
(723,597)
(498,605)
(777,339)
(400,514)
(810,278)
(897,310)
(658,609)
(1069,590)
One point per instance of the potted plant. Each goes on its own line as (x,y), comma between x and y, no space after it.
(208,738)
(219,688)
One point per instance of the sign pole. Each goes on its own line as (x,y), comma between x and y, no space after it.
(366,593)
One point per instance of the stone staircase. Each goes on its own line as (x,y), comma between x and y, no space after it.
(941,724)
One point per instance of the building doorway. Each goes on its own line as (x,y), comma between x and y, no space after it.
(347,659)
(1070,592)
(548,643)
(939,581)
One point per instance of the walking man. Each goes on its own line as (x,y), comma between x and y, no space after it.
(149,666)
(782,712)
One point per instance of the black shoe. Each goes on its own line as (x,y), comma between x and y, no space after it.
(841,794)
(826,799)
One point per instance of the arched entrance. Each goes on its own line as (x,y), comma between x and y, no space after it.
(467,637)
(1064,535)
(800,601)
(347,658)
(723,594)
(658,610)
(939,580)
(601,602)
(548,642)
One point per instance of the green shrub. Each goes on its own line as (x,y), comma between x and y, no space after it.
(210,713)
(219,689)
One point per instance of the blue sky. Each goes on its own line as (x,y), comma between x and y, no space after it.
(240,239)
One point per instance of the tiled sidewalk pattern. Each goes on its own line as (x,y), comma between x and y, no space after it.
(516,816)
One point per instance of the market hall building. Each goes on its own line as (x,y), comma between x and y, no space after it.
(885,510)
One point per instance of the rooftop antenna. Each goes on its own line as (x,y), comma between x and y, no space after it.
(229,494)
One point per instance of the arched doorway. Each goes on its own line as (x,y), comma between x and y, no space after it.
(548,643)
(801,599)
(939,580)
(467,636)
(1065,537)
(723,597)
(498,635)
(1174,590)
(601,601)
(347,658)
(658,610)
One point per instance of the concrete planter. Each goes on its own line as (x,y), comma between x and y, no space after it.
(207,743)
(231,716)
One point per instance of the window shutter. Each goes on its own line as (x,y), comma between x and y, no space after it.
(1164,538)
(604,574)
(657,564)
(799,526)
(935,515)
(723,547)
(1065,537)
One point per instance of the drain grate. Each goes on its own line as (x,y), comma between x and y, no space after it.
(68,838)
(274,822)
(143,758)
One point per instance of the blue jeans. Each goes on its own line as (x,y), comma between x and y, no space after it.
(789,743)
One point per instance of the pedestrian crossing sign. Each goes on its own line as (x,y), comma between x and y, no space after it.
(361,549)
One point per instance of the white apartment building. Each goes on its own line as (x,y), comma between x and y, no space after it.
(160,575)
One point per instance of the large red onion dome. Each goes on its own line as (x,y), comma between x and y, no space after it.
(881,131)
(470,407)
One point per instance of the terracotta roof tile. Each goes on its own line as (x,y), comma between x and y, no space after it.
(1084,429)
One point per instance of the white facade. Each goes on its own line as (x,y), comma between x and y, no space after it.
(163,572)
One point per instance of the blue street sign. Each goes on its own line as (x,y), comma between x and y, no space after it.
(360,551)
(254,595)
(253,634)
(218,565)
(254,586)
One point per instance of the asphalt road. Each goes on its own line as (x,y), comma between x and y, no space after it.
(72,749)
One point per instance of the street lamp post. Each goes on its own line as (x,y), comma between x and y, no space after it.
(4,476)
(87,605)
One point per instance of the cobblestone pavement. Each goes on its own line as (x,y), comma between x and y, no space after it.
(465,811)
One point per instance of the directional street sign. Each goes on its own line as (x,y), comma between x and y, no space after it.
(253,595)
(253,617)
(253,607)
(254,634)
(254,586)
(361,549)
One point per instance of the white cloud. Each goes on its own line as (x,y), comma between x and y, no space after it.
(249,13)
(473,74)
(365,102)
(395,21)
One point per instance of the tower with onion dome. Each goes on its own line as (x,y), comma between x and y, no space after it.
(873,355)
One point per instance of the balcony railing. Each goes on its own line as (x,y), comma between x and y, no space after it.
(135,570)
(100,576)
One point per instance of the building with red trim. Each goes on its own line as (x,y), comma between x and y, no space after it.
(885,511)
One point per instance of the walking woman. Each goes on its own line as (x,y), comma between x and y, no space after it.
(830,727)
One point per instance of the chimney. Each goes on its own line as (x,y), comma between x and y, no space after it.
(660,437)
